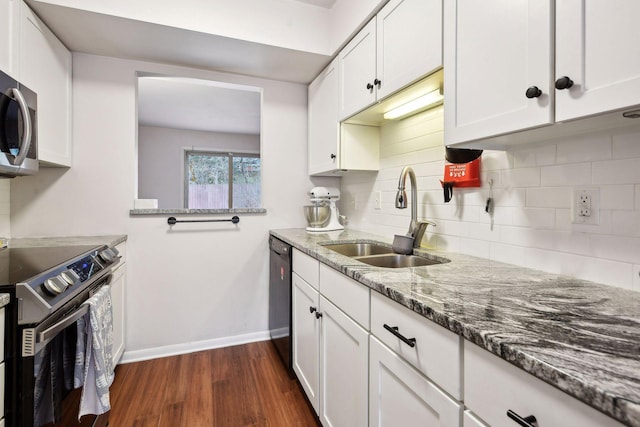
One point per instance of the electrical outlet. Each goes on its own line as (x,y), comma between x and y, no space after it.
(585,206)
(377,203)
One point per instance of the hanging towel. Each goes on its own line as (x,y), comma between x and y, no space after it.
(98,361)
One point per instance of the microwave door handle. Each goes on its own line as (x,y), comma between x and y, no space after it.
(26,120)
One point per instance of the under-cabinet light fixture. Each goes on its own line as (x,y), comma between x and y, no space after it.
(421,103)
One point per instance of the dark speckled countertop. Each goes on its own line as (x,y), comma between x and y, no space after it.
(581,337)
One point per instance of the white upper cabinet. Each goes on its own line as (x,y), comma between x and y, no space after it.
(45,68)
(409,43)
(494,52)
(324,125)
(9,36)
(499,60)
(597,48)
(358,71)
(400,45)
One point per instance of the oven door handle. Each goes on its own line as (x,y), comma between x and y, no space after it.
(53,330)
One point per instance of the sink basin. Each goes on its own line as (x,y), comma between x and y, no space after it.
(359,249)
(397,261)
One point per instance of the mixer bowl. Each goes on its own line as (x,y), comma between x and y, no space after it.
(317,215)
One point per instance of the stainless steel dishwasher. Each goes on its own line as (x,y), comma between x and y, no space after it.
(280,299)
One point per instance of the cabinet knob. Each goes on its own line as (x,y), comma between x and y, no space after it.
(318,315)
(533,92)
(369,86)
(377,82)
(527,421)
(312,309)
(333,156)
(564,83)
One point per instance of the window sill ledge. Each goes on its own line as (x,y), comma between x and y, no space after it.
(197,211)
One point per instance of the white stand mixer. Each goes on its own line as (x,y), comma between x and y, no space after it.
(321,195)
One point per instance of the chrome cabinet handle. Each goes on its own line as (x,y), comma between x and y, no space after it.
(26,120)
(411,342)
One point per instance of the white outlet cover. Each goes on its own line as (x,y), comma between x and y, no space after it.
(594,217)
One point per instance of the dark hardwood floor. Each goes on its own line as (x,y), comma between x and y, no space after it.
(243,385)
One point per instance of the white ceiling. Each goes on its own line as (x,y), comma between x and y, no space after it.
(182,103)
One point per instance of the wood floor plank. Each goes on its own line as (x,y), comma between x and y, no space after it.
(235,386)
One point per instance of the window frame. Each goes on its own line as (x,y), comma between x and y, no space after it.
(229,155)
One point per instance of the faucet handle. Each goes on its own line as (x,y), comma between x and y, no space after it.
(418,233)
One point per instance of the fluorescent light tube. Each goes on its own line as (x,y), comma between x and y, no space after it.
(421,103)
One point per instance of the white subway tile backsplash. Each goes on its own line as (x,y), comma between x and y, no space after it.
(534,217)
(565,175)
(617,197)
(584,149)
(626,145)
(507,253)
(526,177)
(549,197)
(625,171)
(534,156)
(626,223)
(532,197)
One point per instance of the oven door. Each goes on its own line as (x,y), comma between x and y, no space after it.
(48,396)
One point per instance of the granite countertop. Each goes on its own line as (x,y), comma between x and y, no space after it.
(30,242)
(579,336)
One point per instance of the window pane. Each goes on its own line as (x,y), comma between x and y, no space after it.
(246,182)
(208,177)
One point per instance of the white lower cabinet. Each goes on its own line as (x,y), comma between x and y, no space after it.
(306,338)
(401,396)
(330,357)
(493,386)
(2,367)
(118,307)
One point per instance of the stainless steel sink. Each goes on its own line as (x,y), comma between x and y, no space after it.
(359,249)
(379,255)
(398,261)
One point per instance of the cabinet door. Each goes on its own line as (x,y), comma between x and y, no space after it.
(357,66)
(493,52)
(597,48)
(324,125)
(409,40)
(9,33)
(306,337)
(344,352)
(45,68)
(470,420)
(400,396)
(118,307)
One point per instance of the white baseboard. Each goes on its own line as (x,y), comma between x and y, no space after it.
(191,347)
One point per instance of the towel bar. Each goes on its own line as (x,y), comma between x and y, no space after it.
(172,220)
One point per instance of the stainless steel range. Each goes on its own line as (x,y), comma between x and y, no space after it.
(48,287)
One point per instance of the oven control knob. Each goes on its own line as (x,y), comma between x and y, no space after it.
(108,255)
(55,285)
(70,276)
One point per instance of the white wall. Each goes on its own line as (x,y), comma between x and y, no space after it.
(193,285)
(161,159)
(532,193)
(5,198)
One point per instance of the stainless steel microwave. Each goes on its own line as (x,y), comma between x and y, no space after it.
(18,129)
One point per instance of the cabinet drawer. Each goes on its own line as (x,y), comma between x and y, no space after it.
(437,352)
(347,294)
(492,386)
(306,267)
